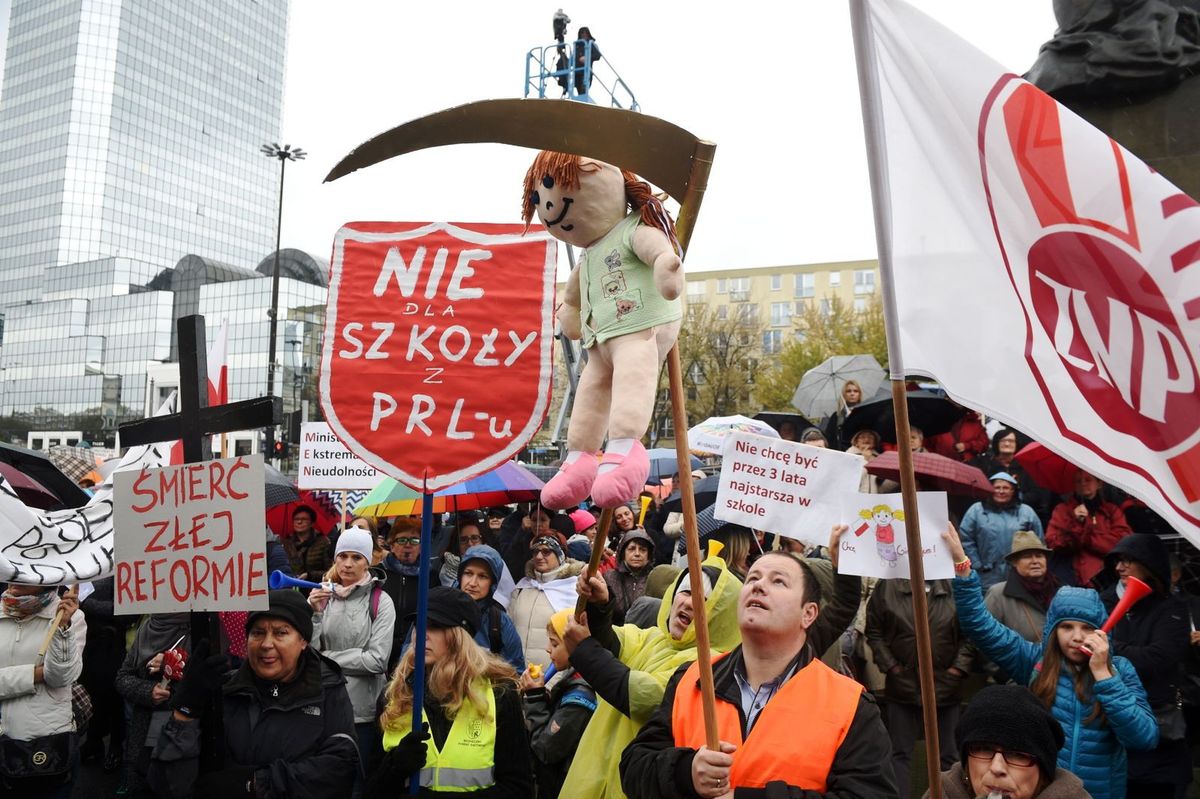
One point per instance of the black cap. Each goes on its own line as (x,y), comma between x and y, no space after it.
(1010,717)
(289,605)
(449,607)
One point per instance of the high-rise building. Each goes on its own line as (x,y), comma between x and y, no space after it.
(130,129)
(131,182)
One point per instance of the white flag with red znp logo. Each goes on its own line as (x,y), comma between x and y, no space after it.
(1040,271)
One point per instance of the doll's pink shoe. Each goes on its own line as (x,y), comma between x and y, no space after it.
(624,483)
(572,484)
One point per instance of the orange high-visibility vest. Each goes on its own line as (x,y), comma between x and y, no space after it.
(795,737)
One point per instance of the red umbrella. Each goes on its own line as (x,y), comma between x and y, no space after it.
(29,491)
(279,517)
(1048,469)
(935,473)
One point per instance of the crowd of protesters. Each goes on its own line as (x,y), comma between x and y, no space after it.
(523,698)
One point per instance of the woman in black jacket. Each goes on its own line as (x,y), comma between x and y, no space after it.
(288,721)
(1154,636)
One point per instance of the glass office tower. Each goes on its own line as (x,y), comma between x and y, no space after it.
(129,141)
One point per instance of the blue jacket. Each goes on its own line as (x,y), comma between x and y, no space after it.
(511,649)
(987,532)
(1094,751)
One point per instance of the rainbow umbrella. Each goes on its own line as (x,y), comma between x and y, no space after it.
(510,482)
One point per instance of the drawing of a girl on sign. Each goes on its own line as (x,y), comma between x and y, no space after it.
(885,537)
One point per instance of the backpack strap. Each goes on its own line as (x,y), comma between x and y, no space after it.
(494,635)
(376,591)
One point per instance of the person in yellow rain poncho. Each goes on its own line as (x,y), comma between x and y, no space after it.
(629,668)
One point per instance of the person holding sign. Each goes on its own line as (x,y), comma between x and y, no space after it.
(353,624)
(815,732)
(41,655)
(288,721)
(628,667)
(1097,698)
(475,739)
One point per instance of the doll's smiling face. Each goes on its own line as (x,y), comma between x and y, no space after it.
(582,214)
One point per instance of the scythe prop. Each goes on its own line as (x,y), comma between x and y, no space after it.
(663,154)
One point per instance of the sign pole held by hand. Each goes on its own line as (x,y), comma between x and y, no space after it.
(598,546)
(414,783)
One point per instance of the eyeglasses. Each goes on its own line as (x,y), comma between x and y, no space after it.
(545,553)
(988,752)
(470,539)
(399,542)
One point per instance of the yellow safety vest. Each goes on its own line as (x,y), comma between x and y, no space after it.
(466,761)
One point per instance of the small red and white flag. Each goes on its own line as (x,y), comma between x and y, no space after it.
(1069,268)
(218,366)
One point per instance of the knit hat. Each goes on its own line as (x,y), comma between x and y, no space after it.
(582,520)
(558,622)
(1011,718)
(579,548)
(1005,476)
(549,543)
(1026,541)
(354,539)
(449,607)
(289,605)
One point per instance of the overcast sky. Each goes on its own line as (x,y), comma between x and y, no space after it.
(773,84)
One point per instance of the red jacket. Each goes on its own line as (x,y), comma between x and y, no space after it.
(968,431)
(1089,540)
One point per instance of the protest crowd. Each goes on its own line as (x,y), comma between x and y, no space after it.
(815,671)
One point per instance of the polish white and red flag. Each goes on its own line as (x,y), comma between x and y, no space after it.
(218,366)
(1032,265)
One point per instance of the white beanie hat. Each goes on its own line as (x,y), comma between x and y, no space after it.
(354,539)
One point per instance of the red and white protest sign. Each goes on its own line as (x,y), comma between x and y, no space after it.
(191,537)
(438,346)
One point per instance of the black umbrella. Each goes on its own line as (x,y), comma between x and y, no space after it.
(932,413)
(799,422)
(280,489)
(705,491)
(39,466)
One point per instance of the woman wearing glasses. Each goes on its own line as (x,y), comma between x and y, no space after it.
(469,534)
(1008,747)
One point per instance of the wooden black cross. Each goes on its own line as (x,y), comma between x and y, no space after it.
(195,423)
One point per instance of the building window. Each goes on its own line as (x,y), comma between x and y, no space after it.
(860,304)
(748,313)
(722,311)
(864,281)
(781,314)
(772,342)
(835,279)
(806,285)
(776,282)
(722,286)
(825,307)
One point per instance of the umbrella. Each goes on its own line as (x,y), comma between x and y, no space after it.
(510,482)
(708,437)
(705,491)
(280,489)
(331,499)
(935,473)
(74,462)
(38,466)
(29,491)
(799,422)
(928,411)
(820,390)
(1048,469)
(279,517)
(665,462)
(541,472)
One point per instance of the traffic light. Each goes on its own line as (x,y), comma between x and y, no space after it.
(279,449)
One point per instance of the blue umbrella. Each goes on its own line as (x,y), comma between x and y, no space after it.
(664,463)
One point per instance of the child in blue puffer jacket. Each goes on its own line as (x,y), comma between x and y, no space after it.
(1098,700)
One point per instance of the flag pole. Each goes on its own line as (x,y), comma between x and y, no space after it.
(598,543)
(418,686)
(869,97)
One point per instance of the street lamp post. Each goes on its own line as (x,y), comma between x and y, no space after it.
(284,154)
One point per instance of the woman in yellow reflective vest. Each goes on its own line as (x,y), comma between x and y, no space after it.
(474,739)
